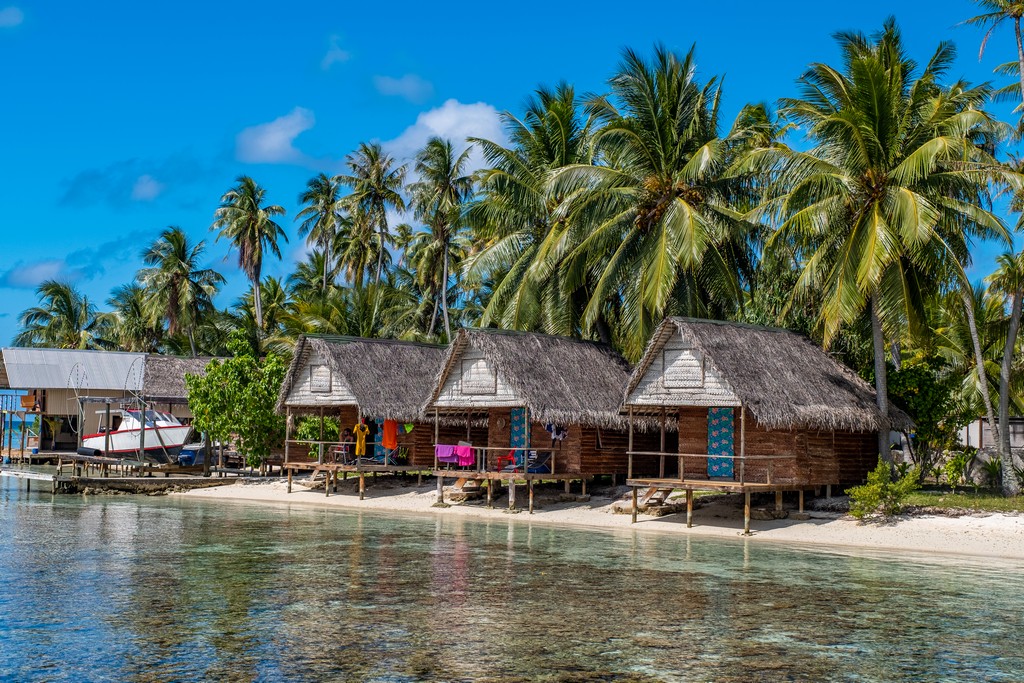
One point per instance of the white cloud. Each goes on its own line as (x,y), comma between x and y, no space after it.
(273,143)
(410,87)
(11,17)
(335,54)
(146,188)
(453,120)
(31,275)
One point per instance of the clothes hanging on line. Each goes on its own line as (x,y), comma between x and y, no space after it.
(360,431)
(445,453)
(465,455)
(389,439)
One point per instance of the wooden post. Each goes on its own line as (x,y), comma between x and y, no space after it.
(207,454)
(320,446)
(362,486)
(801,501)
(633,518)
(828,491)
(661,449)
(490,493)
(327,484)
(106,438)
(81,423)
(440,489)
(437,428)
(289,480)
(689,508)
(511,494)
(629,474)
(584,485)
(142,432)
(287,433)
(529,485)
(568,483)
(746,513)
(743,444)
(778,501)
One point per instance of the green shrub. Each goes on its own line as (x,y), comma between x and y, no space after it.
(882,496)
(993,469)
(958,467)
(309,430)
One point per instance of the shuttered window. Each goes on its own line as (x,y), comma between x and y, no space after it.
(477,378)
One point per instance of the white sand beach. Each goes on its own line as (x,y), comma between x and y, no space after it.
(987,536)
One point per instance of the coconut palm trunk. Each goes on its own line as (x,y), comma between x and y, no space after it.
(257,302)
(1010,487)
(979,360)
(444,294)
(881,378)
(1020,53)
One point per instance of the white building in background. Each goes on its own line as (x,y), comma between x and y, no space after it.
(978,434)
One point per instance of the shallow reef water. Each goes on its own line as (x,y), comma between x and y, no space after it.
(173,589)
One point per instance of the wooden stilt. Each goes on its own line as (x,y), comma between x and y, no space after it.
(633,519)
(746,513)
(801,503)
(490,494)
(327,483)
(778,501)
(828,491)
(584,487)
(529,486)
(567,486)
(440,490)
(362,486)
(419,479)
(511,494)
(290,479)
(335,487)
(689,508)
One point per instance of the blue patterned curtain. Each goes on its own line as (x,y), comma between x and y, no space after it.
(519,426)
(378,450)
(721,436)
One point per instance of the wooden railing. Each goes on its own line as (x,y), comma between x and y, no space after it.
(740,463)
(480,457)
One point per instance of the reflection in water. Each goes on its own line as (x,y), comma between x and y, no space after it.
(146,589)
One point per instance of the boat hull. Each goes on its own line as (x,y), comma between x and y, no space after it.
(162,444)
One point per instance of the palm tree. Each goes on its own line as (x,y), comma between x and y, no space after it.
(657,222)
(321,216)
(999,12)
(130,324)
(245,219)
(438,198)
(177,289)
(64,319)
(376,184)
(884,205)
(521,234)
(1008,280)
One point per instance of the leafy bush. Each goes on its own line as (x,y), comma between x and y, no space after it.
(309,430)
(993,469)
(958,468)
(1018,472)
(882,496)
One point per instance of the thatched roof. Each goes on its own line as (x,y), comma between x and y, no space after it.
(389,379)
(164,376)
(784,379)
(561,380)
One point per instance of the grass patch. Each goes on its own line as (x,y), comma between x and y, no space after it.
(985,501)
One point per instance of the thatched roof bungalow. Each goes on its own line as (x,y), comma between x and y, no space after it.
(350,378)
(757,405)
(527,388)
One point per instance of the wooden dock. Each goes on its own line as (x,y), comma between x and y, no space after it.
(57,483)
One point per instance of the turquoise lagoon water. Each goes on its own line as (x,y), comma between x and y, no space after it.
(162,589)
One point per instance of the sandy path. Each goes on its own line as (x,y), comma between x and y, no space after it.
(983,536)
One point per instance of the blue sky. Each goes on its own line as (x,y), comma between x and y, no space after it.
(121,118)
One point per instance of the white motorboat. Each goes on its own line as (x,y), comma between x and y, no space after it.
(160,439)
